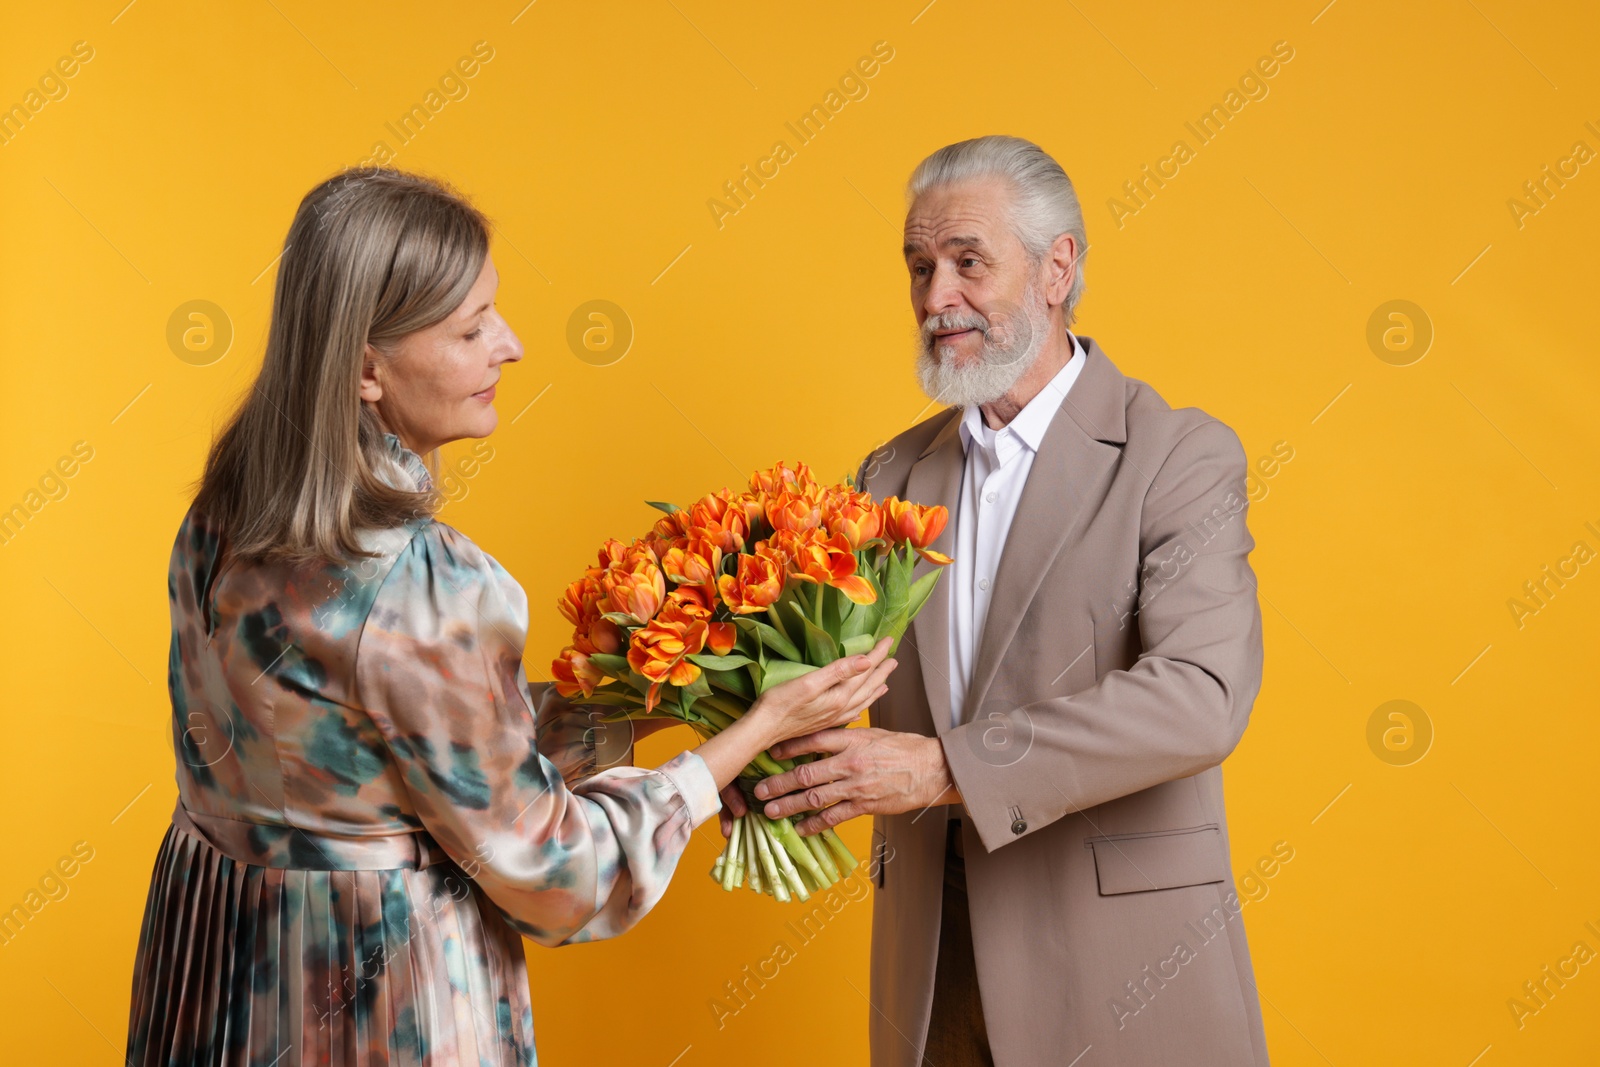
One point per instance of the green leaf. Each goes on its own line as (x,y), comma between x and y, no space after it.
(699,687)
(896,595)
(780,615)
(614,697)
(720,663)
(921,590)
(737,682)
(919,595)
(859,645)
(834,604)
(783,670)
(616,666)
(863,618)
(670,509)
(770,637)
(821,649)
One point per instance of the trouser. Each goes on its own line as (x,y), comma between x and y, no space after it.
(956,1034)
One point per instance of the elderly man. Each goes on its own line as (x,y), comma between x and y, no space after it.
(1044,772)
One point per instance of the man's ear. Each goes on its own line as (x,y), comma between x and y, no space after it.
(371,384)
(1061,264)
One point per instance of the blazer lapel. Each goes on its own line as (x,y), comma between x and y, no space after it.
(1079,448)
(936,479)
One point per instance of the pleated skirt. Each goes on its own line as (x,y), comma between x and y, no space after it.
(254,966)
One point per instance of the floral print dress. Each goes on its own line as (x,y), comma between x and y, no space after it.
(374,808)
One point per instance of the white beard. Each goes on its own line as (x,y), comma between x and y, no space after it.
(1010,346)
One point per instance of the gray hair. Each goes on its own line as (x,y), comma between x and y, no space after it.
(1044,205)
(371,256)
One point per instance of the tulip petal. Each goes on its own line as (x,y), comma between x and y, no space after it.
(857,588)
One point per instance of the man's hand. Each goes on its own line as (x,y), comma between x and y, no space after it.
(733,807)
(868,772)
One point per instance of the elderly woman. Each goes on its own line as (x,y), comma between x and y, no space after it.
(374,807)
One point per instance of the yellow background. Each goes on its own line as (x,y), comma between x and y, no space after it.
(1418,501)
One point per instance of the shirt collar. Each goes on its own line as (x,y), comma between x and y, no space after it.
(407,471)
(1033,420)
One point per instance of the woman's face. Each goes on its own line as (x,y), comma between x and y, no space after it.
(438,384)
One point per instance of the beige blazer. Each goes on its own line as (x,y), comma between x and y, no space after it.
(1118,663)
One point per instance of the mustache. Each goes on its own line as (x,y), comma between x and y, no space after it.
(953,320)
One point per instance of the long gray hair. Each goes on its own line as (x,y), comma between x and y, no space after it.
(373,254)
(1045,205)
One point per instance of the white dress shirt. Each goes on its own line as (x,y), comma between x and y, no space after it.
(997,466)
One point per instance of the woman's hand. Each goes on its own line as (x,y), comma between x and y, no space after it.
(829,696)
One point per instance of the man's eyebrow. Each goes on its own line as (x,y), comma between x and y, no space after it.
(958,241)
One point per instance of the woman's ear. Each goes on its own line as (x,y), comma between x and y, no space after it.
(371,385)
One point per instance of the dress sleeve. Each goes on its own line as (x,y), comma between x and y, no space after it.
(439,670)
(575,737)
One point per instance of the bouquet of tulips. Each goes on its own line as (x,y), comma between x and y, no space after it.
(735,594)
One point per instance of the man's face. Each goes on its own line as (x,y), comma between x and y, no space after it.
(980,307)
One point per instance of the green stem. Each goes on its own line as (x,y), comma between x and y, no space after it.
(769,864)
(752,860)
(720,720)
(783,833)
(730,852)
(847,861)
(721,704)
(785,859)
(819,852)
(768,766)
(763,763)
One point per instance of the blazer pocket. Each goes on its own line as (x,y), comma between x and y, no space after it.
(1162,859)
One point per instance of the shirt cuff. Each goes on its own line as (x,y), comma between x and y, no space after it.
(689,773)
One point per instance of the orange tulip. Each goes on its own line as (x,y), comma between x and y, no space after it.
(857,519)
(660,650)
(794,510)
(754,506)
(578,604)
(666,534)
(780,477)
(582,605)
(697,562)
(670,526)
(918,525)
(720,518)
(634,585)
(610,553)
(703,597)
(814,557)
(756,584)
(721,637)
(574,674)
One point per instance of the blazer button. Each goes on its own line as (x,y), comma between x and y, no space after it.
(1020,826)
